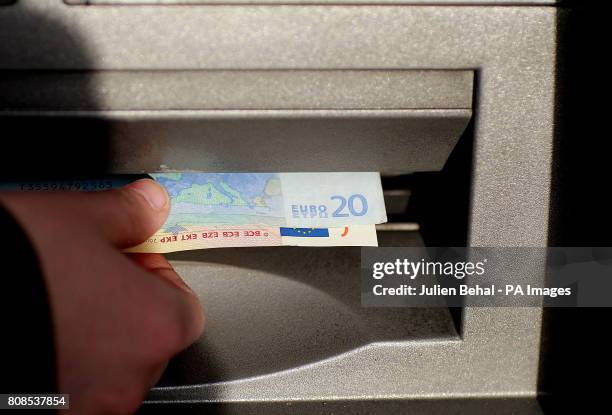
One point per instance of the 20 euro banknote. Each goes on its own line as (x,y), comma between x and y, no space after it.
(319,200)
(254,209)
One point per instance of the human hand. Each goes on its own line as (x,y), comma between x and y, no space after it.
(117,318)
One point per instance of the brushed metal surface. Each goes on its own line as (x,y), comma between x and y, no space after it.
(216,90)
(200,2)
(271,310)
(389,141)
(481,406)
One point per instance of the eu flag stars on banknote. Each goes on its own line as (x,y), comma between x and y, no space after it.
(213,210)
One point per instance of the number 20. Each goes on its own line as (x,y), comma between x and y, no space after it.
(350,203)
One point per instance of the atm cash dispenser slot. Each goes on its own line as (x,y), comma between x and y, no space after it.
(269,309)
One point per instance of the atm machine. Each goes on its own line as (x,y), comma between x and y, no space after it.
(451,100)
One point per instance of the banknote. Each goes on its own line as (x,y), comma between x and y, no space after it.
(211,210)
(315,200)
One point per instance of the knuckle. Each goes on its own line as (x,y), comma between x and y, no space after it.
(191,319)
(177,326)
(199,321)
(166,339)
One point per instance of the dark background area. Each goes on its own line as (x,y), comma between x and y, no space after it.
(575,353)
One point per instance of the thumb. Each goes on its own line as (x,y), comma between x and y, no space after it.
(125,217)
(129,215)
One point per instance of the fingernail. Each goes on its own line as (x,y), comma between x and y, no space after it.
(153,192)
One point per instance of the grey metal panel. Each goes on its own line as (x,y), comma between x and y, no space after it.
(155,135)
(386,141)
(445,406)
(195,90)
(499,351)
(267,37)
(390,141)
(192,2)
(273,310)
(513,50)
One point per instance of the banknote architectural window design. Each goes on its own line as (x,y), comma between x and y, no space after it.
(222,199)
